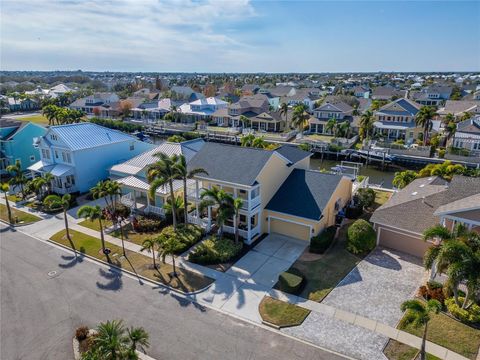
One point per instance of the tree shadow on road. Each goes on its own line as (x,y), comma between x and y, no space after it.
(72,260)
(113,279)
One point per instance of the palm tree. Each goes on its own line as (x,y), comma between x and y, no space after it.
(111,341)
(149,246)
(300,117)
(48,181)
(332,126)
(344,128)
(38,185)
(93,213)
(237,205)
(184,175)
(179,208)
(366,124)
(163,172)
(169,245)
(424,119)
(419,315)
(18,177)
(403,178)
(245,121)
(259,142)
(5,187)
(224,203)
(450,130)
(49,112)
(109,190)
(284,111)
(138,336)
(55,202)
(247,140)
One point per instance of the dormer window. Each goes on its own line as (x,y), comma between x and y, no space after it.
(53,137)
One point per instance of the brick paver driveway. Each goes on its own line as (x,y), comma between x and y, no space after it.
(375,288)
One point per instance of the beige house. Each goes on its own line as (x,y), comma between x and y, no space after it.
(426,202)
(280,193)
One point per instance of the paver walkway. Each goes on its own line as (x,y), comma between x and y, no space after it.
(237,292)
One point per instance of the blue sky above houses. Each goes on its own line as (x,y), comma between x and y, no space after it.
(243,36)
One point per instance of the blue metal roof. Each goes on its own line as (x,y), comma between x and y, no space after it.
(87,135)
(408,106)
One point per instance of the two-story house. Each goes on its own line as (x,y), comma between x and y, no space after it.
(154,110)
(433,95)
(338,111)
(16,143)
(279,192)
(361,91)
(248,106)
(201,109)
(98,104)
(132,176)
(467,135)
(80,155)
(387,93)
(458,108)
(396,120)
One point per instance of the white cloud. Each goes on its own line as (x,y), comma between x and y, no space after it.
(121,34)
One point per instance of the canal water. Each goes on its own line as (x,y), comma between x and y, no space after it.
(374,172)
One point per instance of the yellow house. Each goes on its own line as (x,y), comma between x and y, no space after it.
(280,194)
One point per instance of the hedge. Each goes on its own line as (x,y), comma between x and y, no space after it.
(215,251)
(187,235)
(470,315)
(291,281)
(361,237)
(320,243)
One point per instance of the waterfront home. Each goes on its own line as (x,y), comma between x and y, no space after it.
(16,143)
(433,95)
(154,110)
(271,121)
(15,104)
(426,202)
(396,120)
(460,107)
(301,96)
(248,106)
(80,155)
(279,192)
(132,176)
(99,104)
(467,136)
(338,111)
(201,109)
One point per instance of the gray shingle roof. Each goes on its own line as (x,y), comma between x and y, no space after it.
(293,153)
(230,163)
(413,207)
(305,193)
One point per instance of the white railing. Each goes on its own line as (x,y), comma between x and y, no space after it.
(150,209)
(250,204)
(127,200)
(242,232)
(202,222)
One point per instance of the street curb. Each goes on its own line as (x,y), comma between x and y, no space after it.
(132,273)
(19,225)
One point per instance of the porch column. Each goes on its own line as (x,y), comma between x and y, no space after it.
(235,193)
(249,228)
(197,195)
(134,200)
(209,217)
(148,200)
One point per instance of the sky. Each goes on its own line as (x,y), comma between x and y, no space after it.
(240,35)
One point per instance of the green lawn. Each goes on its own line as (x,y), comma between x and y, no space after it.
(397,351)
(442,330)
(381,197)
(94,225)
(318,137)
(281,313)
(14,198)
(186,281)
(22,217)
(221,129)
(324,272)
(132,236)
(38,119)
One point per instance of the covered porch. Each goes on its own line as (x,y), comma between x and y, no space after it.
(63,176)
(135,196)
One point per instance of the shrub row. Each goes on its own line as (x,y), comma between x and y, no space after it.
(320,243)
(186,235)
(146,224)
(215,251)
(470,315)
(291,281)
(117,125)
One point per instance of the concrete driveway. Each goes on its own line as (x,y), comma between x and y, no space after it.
(375,289)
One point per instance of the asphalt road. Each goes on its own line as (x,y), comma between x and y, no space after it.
(40,311)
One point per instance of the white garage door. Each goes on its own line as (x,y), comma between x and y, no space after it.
(289,229)
(402,242)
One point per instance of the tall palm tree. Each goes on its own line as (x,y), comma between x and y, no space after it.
(93,213)
(149,246)
(300,117)
(366,124)
(55,202)
(163,172)
(185,174)
(403,178)
(169,245)
(284,111)
(224,203)
(18,177)
(179,208)
(419,315)
(259,142)
(247,140)
(49,112)
(5,187)
(424,119)
(237,205)
(344,128)
(38,185)
(111,340)
(138,336)
(48,181)
(245,121)
(332,126)
(450,130)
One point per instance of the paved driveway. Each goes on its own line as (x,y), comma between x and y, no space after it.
(375,288)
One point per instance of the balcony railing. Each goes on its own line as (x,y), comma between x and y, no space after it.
(247,205)
(242,232)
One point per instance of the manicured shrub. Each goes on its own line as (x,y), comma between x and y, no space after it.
(81,333)
(186,235)
(365,197)
(433,290)
(361,237)
(320,243)
(470,315)
(441,153)
(291,281)
(146,224)
(215,251)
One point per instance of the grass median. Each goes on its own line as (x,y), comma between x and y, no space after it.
(19,217)
(281,313)
(186,281)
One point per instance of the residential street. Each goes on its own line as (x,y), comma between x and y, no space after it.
(40,311)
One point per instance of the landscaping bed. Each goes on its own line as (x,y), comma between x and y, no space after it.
(323,272)
(186,281)
(23,217)
(442,330)
(280,313)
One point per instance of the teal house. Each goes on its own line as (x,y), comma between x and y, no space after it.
(16,143)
